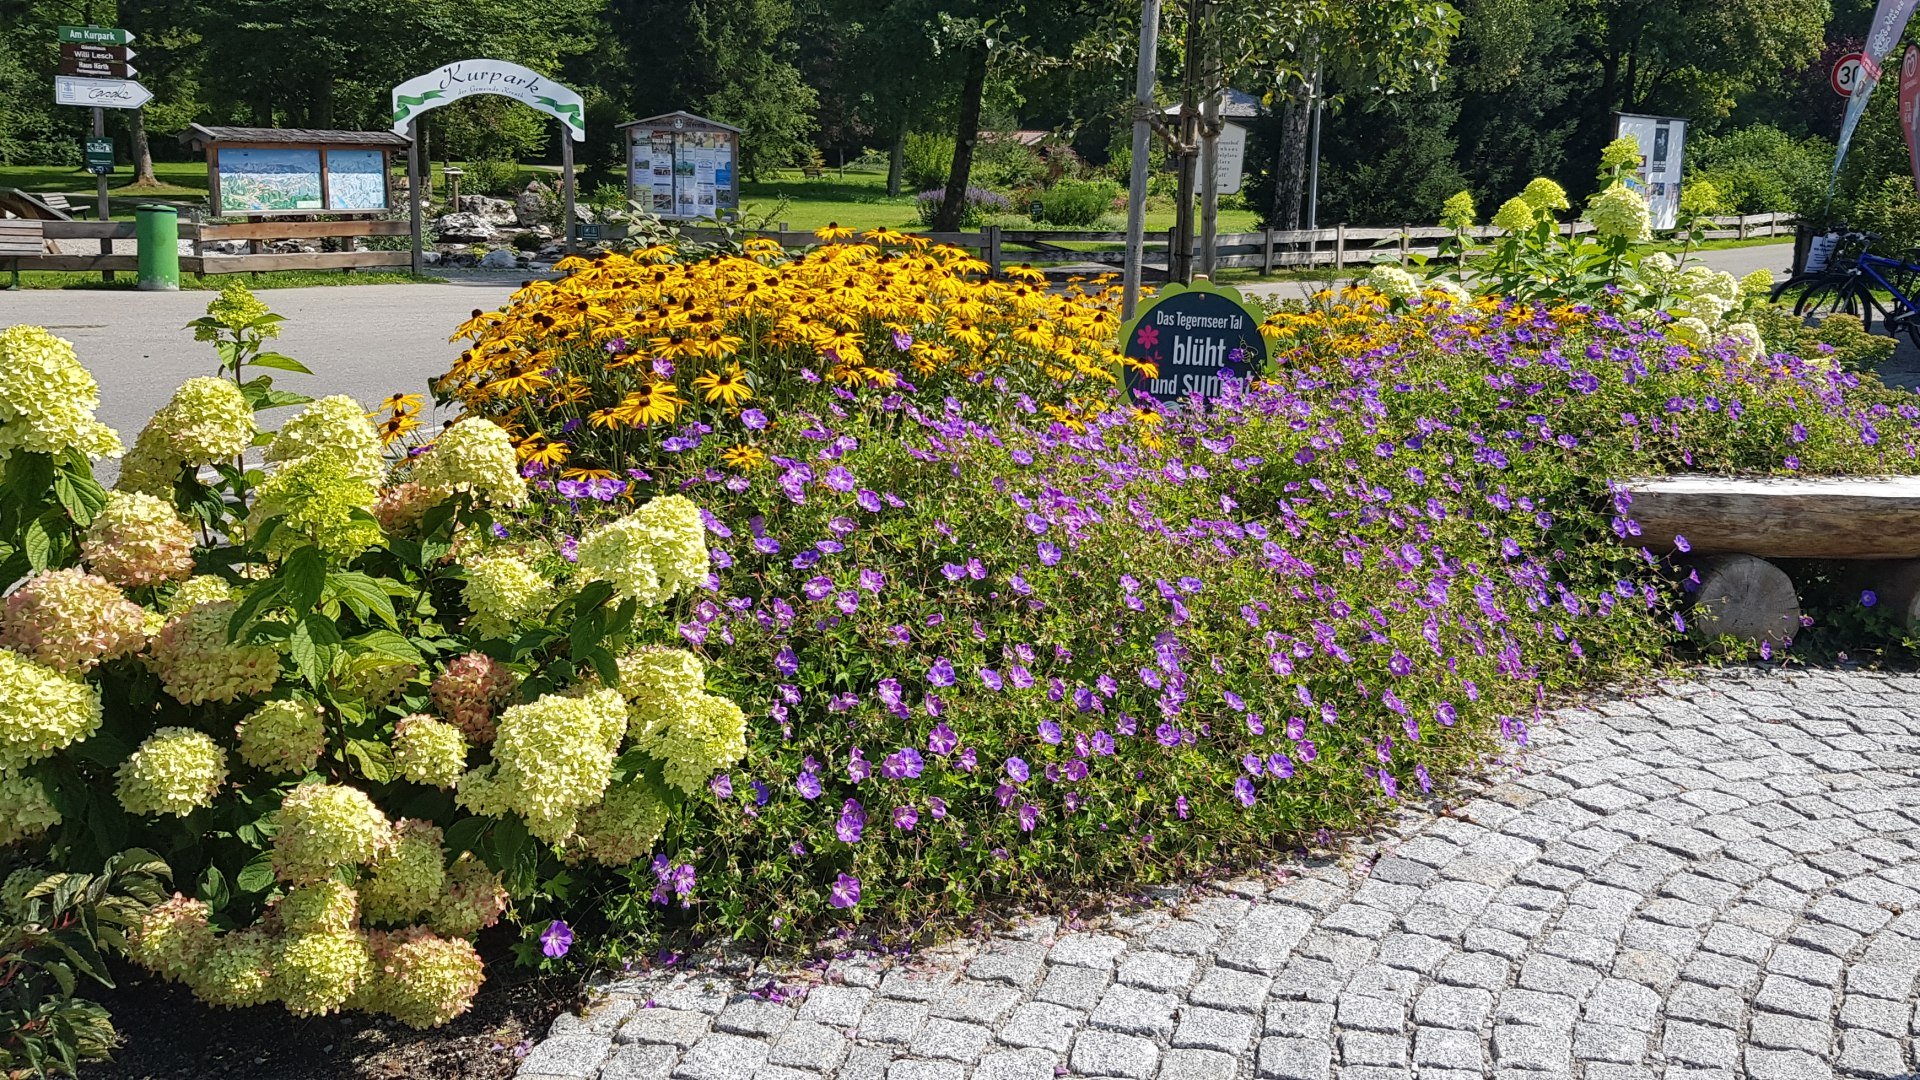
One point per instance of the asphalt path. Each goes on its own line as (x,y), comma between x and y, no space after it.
(364,340)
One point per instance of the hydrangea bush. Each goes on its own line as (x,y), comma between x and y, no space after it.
(358,742)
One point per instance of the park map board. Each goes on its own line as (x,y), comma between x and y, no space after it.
(298,179)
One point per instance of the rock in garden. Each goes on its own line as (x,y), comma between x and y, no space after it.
(499,259)
(536,205)
(466,228)
(495,210)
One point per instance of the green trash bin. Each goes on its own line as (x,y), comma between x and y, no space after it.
(157,231)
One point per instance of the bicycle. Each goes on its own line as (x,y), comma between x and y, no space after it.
(1851,283)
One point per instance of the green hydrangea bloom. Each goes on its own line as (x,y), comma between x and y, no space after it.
(337,427)
(554,757)
(1757,284)
(26,809)
(47,398)
(1621,212)
(408,880)
(1392,282)
(207,420)
(429,751)
(320,827)
(1516,215)
(315,974)
(705,737)
(1544,195)
(624,826)
(175,771)
(474,899)
(235,971)
(283,736)
(236,308)
(318,503)
(660,684)
(325,907)
(476,456)
(650,554)
(41,711)
(1746,340)
(423,980)
(504,592)
(1621,153)
(1457,212)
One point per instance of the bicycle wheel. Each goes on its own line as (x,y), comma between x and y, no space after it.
(1824,298)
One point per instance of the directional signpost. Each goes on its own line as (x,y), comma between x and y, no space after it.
(95,74)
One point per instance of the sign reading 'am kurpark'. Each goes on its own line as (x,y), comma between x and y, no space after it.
(1193,334)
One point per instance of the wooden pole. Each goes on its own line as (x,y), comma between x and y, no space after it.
(1142,139)
(1209,182)
(415,212)
(103,212)
(566,181)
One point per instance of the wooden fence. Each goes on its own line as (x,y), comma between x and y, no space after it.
(257,234)
(1059,251)
(1268,250)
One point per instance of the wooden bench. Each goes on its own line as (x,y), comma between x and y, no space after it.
(1734,526)
(811,172)
(40,206)
(19,238)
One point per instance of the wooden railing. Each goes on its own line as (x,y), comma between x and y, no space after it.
(1336,248)
(257,234)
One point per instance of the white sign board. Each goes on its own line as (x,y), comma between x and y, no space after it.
(1230,158)
(464,78)
(99,93)
(1663,141)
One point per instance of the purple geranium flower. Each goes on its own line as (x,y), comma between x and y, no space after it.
(845,892)
(556,939)
(852,822)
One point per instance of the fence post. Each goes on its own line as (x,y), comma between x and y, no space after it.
(1266,250)
(1172,244)
(991,241)
(1340,246)
(1403,243)
(1743,226)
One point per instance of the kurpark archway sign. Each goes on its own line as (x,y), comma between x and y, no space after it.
(464,78)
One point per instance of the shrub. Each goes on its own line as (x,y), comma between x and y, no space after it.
(926,160)
(1760,169)
(1077,204)
(294,737)
(491,177)
(1839,337)
(980,204)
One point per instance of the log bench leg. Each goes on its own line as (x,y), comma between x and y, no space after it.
(1744,597)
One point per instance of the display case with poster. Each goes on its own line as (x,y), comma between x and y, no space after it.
(255,172)
(683,166)
(1662,141)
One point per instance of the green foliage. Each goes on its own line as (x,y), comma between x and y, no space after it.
(1760,169)
(926,160)
(56,930)
(1838,337)
(1890,210)
(498,177)
(489,128)
(1077,204)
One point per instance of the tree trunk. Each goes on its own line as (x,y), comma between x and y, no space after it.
(897,160)
(1290,164)
(967,134)
(142,152)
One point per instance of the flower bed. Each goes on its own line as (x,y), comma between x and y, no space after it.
(994,645)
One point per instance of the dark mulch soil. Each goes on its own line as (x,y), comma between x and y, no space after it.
(166,1034)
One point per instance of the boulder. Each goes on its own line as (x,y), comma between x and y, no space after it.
(500,211)
(499,259)
(536,206)
(466,228)
(430,258)
(223,247)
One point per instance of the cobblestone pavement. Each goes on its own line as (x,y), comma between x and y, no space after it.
(1719,879)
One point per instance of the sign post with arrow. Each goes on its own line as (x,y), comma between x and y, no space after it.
(95,74)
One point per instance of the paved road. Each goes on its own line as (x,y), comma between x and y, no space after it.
(364,340)
(1718,880)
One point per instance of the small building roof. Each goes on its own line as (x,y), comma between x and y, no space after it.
(677,118)
(201,135)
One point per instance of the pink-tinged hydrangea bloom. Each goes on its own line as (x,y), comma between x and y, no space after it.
(471,691)
(71,620)
(197,664)
(138,541)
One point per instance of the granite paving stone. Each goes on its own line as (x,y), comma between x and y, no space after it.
(1717,880)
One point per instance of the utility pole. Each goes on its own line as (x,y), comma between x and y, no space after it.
(1143,117)
(1316,101)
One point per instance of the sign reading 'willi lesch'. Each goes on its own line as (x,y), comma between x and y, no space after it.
(1192,335)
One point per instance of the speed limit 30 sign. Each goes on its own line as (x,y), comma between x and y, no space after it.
(1848,73)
